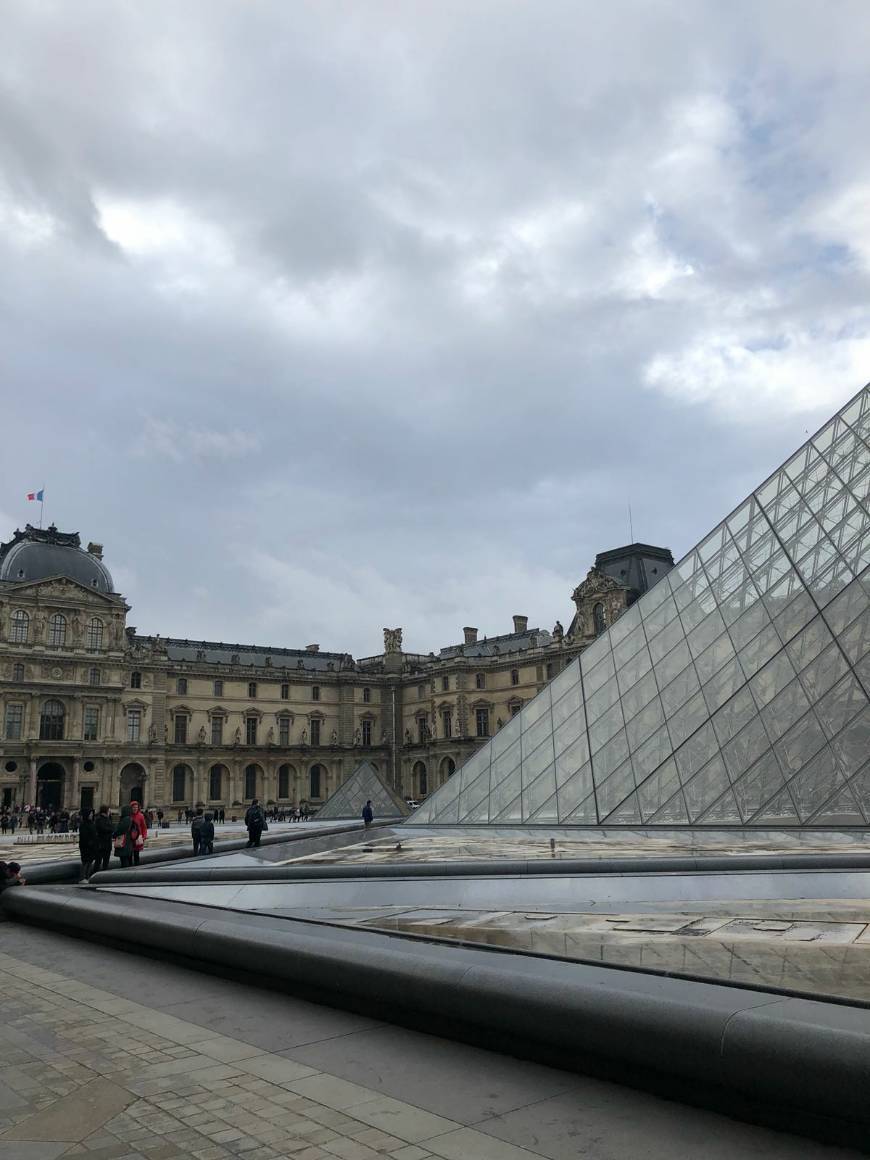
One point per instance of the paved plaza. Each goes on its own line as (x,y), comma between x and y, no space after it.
(111,1056)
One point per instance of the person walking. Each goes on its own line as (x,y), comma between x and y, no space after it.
(88,845)
(368,814)
(196,832)
(141,824)
(124,837)
(206,835)
(255,821)
(104,828)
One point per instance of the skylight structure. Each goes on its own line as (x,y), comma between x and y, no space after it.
(734,692)
(364,784)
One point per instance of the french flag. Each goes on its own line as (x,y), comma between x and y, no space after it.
(37,495)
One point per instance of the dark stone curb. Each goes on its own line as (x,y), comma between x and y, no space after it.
(796,1059)
(199,871)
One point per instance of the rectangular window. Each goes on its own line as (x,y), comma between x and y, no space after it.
(422,729)
(180,729)
(481,717)
(218,689)
(14,722)
(315,692)
(179,780)
(445,683)
(217,730)
(283,782)
(421,692)
(480,680)
(252,688)
(285,692)
(215,786)
(515,676)
(515,709)
(550,670)
(315,731)
(134,724)
(447,722)
(284,731)
(91,723)
(181,686)
(367,695)
(366,732)
(250,782)
(251,730)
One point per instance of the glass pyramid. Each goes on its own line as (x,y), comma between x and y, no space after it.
(364,784)
(734,692)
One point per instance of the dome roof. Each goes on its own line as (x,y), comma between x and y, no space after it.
(37,554)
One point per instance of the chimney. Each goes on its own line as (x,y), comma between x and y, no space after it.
(96,550)
(470,635)
(521,623)
(312,648)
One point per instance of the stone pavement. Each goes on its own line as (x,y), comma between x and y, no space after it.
(111,1056)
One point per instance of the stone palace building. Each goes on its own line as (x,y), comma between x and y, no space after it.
(93,712)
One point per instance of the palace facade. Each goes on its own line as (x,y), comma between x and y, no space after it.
(93,712)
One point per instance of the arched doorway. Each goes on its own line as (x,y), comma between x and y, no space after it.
(448,768)
(49,786)
(420,779)
(182,783)
(316,782)
(218,779)
(253,782)
(132,785)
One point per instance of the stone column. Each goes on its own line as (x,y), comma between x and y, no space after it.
(73,794)
(31,788)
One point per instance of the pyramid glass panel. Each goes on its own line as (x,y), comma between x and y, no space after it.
(734,692)
(364,784)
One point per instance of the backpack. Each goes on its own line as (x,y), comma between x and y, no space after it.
(197,824)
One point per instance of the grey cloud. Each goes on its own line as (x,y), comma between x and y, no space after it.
(373,330)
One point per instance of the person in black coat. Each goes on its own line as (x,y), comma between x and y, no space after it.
(88,845)
(105,828)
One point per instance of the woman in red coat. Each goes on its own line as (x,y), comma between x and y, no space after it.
(142,827)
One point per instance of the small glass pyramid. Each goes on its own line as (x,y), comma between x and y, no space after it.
(364,784)
(734,692)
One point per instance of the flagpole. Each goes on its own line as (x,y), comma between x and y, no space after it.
(41,506)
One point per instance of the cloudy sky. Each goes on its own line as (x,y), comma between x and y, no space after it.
(330,316)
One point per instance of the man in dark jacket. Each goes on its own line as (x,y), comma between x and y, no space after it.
(105,828)
(206,835)
(88,848)
(196,831)
(255,820)
(368,814)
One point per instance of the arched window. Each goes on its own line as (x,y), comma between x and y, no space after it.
(18,672)
(57,630)
(449,767)
(215,783)
(421,779)
(95,634)
(135,680)
(250,782)
(480,680)
(179,783)
(285,773)
(598,619)
(93,676)
(515,676)
(367,695)
(20,626)
(51,721)
(314,781)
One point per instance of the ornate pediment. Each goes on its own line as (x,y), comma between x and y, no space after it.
(63,588)
(596,584)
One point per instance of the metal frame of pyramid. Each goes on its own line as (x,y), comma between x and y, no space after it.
(733,693)
(362,784)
